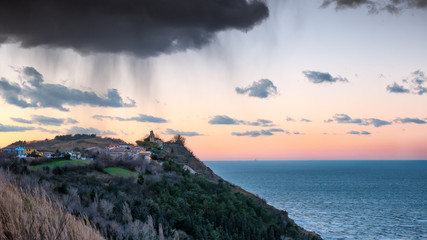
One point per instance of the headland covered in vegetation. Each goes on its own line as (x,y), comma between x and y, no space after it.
(88,187)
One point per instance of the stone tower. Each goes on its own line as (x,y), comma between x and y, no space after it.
(152,138)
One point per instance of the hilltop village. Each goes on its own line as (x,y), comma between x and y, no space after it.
(117,151)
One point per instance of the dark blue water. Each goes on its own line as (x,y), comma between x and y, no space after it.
(340,199)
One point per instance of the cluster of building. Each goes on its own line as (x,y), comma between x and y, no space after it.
(124,152)
(25,152)
(115,151)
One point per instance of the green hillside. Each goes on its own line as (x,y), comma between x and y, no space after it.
(158,198)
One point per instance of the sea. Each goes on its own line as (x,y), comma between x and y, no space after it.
(340,199)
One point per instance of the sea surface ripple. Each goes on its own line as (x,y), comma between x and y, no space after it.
(340,199)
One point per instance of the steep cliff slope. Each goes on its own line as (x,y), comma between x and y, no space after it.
(181,154)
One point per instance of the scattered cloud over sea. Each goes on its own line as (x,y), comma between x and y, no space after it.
(410,120)
(21,120)
(346,119)
(144,118)
(262,88)
(11,128)
(139,118)
(414,84)
(267,132)
(182,133)
(396,88)
(359,133)
(44,120)
(226,120)
(322,77)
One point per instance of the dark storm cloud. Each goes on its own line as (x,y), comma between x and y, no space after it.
(344,4)
(263,88)
(359,133)
(81,130)
(185,134)
(143,28)
(226,120)
(9,128)
(344,118)
(415,84)
(322,77)
(44,120)
(410,120)
(34,93)
(392,6)
(396,88)
(268,132)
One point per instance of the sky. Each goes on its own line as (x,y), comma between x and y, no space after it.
(241,80)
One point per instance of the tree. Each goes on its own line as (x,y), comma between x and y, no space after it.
(33,154)
(57,153)
(147,144)
(141,179)
(179,139)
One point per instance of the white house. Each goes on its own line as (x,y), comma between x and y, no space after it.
(74,155)
(47,154)
(20,152)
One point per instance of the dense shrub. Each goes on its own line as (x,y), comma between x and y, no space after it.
(164,199)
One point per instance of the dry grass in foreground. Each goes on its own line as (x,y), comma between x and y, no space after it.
(33,216)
